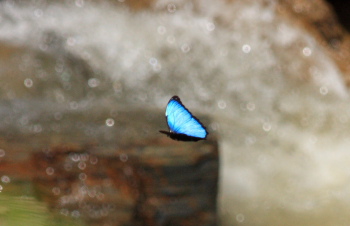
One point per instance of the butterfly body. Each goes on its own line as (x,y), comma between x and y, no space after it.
(183,126)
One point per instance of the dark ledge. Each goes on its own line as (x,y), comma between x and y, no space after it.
(122,178)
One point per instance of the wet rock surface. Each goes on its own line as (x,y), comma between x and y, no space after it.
(146,182)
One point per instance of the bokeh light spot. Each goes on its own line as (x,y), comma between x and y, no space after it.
(266,127)
(323,90)
(210,26)
(93,82)
(5,179)
(240,217)
(171,8)
(56,190)
(185,48)
(2,153)
(161,30)
(93,160)
(28,82)
(307,51)
(222,104)
(123,157)
(110,122)
(75,213)
(250,106)
(50,171)
(82,165)
(82,176)
(79,3)
(246,48)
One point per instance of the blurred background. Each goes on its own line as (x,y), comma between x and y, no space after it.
(83,89)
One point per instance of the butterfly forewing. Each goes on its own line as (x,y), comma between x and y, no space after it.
(181,121)
(177,116)
(193,128)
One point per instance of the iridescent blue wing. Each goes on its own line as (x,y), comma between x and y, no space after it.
(182,124)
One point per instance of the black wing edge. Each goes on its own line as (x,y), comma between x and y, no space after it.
(177,98)
(182,137)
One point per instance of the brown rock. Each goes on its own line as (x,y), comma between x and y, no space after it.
(147,181)
(319,18)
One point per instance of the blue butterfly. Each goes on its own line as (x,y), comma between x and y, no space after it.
(183,126)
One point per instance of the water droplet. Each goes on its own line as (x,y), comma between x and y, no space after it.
(171,8)
(83,190)
(161,30)
(250,106)
(210,26)
(323,90)
(240,217)
(59,69)
(75,157)
(73,105)
(37,128)
(79,3)
(58,115)
(71,41)
(128,171)
(28,82)
(64,212)
(84,157)
(123,157)
(185,48)
(50,171)
(68,166)
(5,179)
(75,213)
(246,48)
(59,97)
(2,153)
(82,176)
(307,51)
(82,165)
(215,126)
(110,122)
(24,120)
(93,160)
(157,67)
(153,61)
(171,39)
(56,190)
(222,104)
(250,140)
(93,82)
(266,127)
(38,13)
(92,193)
(100,196)
(298,8)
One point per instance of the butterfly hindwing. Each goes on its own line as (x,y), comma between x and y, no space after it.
(182,124)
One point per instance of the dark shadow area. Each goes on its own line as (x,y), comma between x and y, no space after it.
(342,9)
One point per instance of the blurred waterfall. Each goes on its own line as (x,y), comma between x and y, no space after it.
(278,102)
